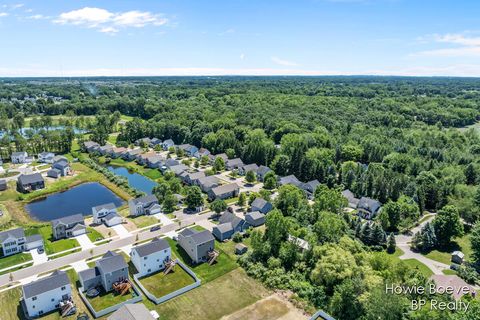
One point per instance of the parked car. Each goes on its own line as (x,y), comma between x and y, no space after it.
(156,228)
(40,250)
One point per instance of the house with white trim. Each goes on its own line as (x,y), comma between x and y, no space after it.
(106,214)
(151,257)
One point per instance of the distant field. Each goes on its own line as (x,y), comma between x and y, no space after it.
(444,256)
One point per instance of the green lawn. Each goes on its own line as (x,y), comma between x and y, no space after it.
(5,219)
(398,252)
(205,272)
(144,221)
(108,299)
(93,234)
(153,174)
(449,272)
(159,284)
(445,255)
(52,246)
(415,264)
(213,300)
(12,260)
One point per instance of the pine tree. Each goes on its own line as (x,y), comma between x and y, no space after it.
(378,235)
(429,240)
(358,229)
(366,233)
(391,244)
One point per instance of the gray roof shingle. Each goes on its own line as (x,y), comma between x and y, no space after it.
(69,220)
(111,262)
(155,245)
(15,233)
(56,280)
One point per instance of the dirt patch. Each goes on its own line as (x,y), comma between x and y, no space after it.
(274,307)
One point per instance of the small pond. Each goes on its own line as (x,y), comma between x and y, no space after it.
(79,199)
(135,180)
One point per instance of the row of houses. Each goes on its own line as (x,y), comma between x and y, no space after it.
(48,294)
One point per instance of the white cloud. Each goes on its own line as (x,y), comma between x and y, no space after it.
(110,22)
(37,17)
(242,56)
(3,14)
(283,62)
(463,46)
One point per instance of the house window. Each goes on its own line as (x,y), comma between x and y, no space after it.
(63,288)
(145,258)
(53,299)
(34,298)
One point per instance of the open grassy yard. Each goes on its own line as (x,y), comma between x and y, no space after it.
(5,218)
(12,260)
(231,292)
(444,256)
(224,264)
(108,299)
(52,246)
(93,234)
(144,221)
(415,264)
(160,284)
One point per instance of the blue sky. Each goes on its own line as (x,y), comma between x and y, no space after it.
(192,37)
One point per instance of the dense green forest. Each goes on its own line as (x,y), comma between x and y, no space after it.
(401,141)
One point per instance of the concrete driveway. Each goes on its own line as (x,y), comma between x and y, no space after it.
(38,258)
(121,231)
(163,218)
(84,242)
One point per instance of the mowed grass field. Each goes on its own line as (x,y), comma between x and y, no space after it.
(160,284)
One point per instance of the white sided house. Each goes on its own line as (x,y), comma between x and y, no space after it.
(45,295)
(151,257)
(146,205)
(107,214)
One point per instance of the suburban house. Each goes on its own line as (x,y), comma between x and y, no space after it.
(261,172)
(301,244)
(255,218)
(30,182)
(69,226)
(178,169)
(54,173)
(132,311)
(249,167)
(107,214)
(220,155)
(262,205)
(167,164)
(310,187)
(19,157)
(167,144)
(45,295)
(143,157)
(90,146)
(131,154)
(207,183)
(155,162)
(197,244)
(226,191)
(189,150)
(46,157)
(234,164)
(3,184)
(457,257)
(151,257)
(117,152)
(352,201)
(63,167)
(144,141)
(228,225)
(202,152)
(14,241)
(154,142)
(368,208)
(145,205)
(291,179)
(111,268)
(192,178)
(104,150)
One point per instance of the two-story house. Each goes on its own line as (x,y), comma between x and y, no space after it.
(19,157)
(151,257)
(69,226)
(46,294)
(46,157)
(197,244)
(30,182)
(146,205)
(107,214)
(111,268)
(14,241)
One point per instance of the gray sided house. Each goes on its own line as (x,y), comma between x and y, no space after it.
(131,154)
(19,157)
(262,205)
(255,218)
(14,241)
(111,268)
(155,162)
(44,295)
(207,183)
(145,205)
(261,172)
(189,149)
(54,173)
(249,167)
(154,142)
(228,225)
(117,152)
(90,146)
(104,150)
(220,155)
(192,178)
(226,191)
(69,226)
(202,152)
(30,182)
(310,187)
(197,244)
(234,164)
(143,157)
(368,208)
(352,200)
(178,169)
(167,164)
(145,141)
(46,157)
(63,166)
(167,144)
(107,214)
(291,179)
